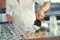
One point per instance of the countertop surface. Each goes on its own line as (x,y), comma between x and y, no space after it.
(47,38)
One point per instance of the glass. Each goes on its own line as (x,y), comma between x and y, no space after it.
(53,25)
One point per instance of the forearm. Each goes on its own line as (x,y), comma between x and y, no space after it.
(40,12)
(45,6)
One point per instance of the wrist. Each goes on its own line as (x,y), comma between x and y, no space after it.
(43,9)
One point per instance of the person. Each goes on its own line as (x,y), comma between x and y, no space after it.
(25,13)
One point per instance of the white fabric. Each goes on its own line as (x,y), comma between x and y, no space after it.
(25,12)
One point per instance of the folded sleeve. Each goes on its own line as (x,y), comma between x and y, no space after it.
(41,2)
(9,8)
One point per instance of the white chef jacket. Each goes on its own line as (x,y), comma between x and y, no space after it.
(24,12)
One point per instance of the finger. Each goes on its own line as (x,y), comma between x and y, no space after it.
(41,17)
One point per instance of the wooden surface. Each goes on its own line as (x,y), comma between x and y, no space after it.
(3,3)
(47,38)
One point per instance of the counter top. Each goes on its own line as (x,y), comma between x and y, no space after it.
(47,38)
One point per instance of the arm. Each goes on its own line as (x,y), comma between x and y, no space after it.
(8,13)
(9,9)
(45,6)
(40,12)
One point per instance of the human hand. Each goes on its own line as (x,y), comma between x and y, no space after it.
(40,14)
(9,18)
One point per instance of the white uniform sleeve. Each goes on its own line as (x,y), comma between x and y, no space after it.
(14,8)
(9,10)
(9,6)
(41,2)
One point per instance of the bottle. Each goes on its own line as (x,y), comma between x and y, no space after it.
(53,25)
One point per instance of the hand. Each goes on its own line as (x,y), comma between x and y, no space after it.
(9,18)
(40,14)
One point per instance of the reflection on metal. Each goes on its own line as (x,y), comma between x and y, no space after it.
(10,32)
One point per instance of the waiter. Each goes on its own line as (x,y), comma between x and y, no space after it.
(24,11)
